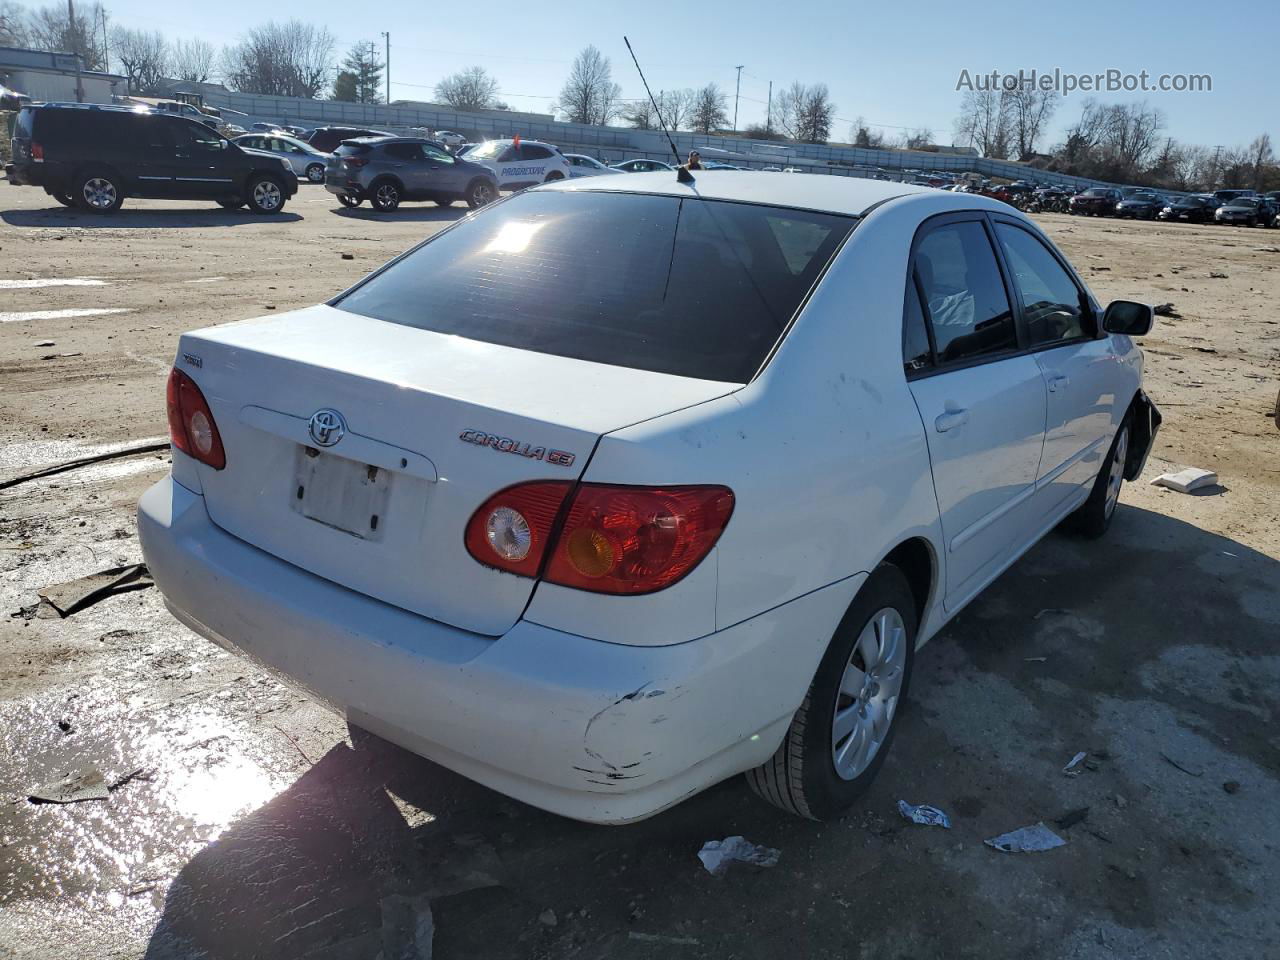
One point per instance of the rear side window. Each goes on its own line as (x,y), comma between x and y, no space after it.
(403,151)
(964,295)
(351,149)
(690,287)
(1052,304)
(23,126)
(529,151)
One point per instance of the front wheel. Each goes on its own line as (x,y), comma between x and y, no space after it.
(315,173)
(481,193)
(1094,516)
(840,736)
(265,195)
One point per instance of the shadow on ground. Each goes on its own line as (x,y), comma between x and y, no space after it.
(1158,645)
(126,219)
(426,214)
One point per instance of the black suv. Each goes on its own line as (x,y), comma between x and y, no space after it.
(92,157)
(326,139)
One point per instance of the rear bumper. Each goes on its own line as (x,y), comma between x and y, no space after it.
(596,731)
(24,175)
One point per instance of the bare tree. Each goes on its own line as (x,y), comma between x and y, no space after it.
(1262,157)
(640,115)
(804,113)
(984,123)
(917,139)
(710,109)
(13,24)
(143,55)
(1029,111)
(861,135)
(192,60)
(676,107)
(589,95)
(293,59)
(470,89)
(51,29)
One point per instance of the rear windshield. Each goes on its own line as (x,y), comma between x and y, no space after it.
(691,287)
(22,128)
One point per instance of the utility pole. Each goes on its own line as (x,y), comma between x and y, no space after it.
(768,115)
(387,36)
(79,54)
(1217,152)
(736,91)
(106,50)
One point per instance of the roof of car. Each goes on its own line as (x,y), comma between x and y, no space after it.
(847,195)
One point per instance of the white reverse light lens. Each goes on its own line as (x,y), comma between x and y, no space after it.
(508,533)
(201,432)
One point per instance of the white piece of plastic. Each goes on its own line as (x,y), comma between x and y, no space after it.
(1033,839)
(924,815)
(717,855)
(1185,481)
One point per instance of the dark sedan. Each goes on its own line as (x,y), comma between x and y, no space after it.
(1246,211)
(1145,206)
(1096,202)
(1190,209)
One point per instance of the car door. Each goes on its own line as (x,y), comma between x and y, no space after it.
(536,161)
(443,171)
(406,163)
(1078,365)
(204,162)
(981,399)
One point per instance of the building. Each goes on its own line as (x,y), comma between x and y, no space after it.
(57,76)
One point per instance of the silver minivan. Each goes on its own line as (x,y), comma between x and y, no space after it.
(389,170)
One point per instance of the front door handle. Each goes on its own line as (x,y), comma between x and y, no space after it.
(1058,383)
(950,420)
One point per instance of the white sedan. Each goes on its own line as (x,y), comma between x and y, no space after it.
(305,160)
(584,166)
(625,486)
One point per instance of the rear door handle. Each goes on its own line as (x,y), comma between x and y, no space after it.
(950,420)
(1058,383)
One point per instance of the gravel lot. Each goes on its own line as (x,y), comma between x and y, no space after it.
(259,828)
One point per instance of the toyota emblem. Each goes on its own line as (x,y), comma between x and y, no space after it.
(327,427)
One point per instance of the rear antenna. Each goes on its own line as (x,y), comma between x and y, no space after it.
(682,172)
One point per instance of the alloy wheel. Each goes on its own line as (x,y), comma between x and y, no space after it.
(100,193)
(869,691)
(266,195)
(1116,477)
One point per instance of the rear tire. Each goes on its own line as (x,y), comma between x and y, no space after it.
(553,176)
(265,195)
(1094,516)
(385,196)
(348,200)
(444,201)
(315,173)
(820,770)
(98,191)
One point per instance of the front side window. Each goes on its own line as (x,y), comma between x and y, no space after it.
(683,286)
(196,137)
(965,299)
(1053,306)
(435,153)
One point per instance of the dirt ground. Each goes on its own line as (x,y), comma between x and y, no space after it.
(255,827)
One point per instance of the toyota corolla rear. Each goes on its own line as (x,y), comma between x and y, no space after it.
(390,498)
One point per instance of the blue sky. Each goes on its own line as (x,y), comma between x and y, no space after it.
(894,65)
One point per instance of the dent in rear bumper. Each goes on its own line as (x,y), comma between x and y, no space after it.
(592,730)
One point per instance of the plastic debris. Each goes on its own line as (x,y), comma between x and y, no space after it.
(1033,839)
(1164,310)
(408,928)
(924,815)
(76,595)
(717,855)
(73,788)
(1186,481)
(1073,768)
(1189,771)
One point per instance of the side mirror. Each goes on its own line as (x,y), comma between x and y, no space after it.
(1128,317)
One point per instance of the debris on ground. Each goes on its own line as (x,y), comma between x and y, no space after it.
(408,928)
(661,938)
(45,343)
(1033,839)
(548,918)
(1035,659)
(133,451)
(76,595)
(1189,771)
(1231,786)
(1071,818)
(1165,310)
(1217,275)
(1073,767)
(924,815)
(142,774)
(717,855)
(1186,481)
(348,256)
(76,787)
(1050,611)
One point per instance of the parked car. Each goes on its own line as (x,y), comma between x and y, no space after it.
(93,157)
(187,110)
(1226,196)
(1246,211)
(565,498)
(305,160)
(1144,206)
(1095,202)
(522,163)
(584,166)
(1191,209)
(642,166)
(716,165)
(390,170)
(326,139)
(449,138)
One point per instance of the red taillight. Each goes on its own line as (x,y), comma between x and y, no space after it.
(191,426)
(612,539)
(37,151)
(356,161)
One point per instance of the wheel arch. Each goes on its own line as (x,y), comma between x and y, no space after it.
(917,558)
